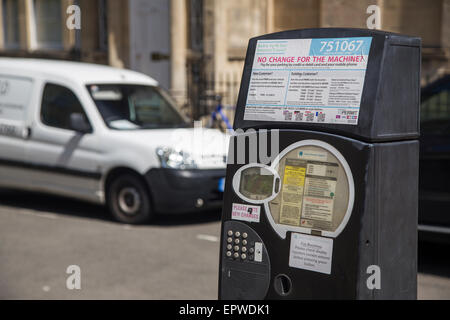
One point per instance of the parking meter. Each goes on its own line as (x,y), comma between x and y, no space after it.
(321,190)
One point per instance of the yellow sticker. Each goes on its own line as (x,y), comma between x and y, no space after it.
(294,176)
(292,194)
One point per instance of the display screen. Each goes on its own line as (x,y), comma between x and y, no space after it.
(256,183)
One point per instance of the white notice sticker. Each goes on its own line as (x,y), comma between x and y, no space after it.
(245,212)
(308,80)
(311,253)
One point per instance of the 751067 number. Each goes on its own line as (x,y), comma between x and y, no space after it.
(341,45)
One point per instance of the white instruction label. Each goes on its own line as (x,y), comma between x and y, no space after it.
(311,253)
(308,80)
(245,212)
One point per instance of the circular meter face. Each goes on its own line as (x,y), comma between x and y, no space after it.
(314,191)
(308,188)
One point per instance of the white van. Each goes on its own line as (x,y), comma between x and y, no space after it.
(104,135)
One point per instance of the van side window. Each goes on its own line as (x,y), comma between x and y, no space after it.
(58,104)
(435,112)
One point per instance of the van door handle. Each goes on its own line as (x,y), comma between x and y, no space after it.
(26,133)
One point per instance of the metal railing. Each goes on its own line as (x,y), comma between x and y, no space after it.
(212,94)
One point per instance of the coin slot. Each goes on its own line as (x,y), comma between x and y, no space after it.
(282,285)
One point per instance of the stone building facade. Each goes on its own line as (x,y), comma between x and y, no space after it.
(184,42)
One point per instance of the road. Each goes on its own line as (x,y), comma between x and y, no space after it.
(174,258)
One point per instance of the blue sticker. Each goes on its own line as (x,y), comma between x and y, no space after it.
(340,46)
(221,185)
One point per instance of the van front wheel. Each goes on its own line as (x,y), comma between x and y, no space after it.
(128,200)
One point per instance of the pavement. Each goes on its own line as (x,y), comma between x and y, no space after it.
(176,257)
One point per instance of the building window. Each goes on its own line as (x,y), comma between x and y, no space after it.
(48,18)
(11,33)
(196,25)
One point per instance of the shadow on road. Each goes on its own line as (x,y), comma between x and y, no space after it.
(434,259)
(65,206)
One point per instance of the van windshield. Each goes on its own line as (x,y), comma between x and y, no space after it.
(134,107)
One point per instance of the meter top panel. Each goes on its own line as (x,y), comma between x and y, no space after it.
(363,84)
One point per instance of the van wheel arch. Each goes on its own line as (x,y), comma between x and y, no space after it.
(117,171)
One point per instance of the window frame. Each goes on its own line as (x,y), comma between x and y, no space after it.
(7,45)
(41,120)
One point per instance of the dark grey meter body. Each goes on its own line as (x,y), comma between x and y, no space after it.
(333,213)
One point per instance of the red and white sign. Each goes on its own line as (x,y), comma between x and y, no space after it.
(318,80)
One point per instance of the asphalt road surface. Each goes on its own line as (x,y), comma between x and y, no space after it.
(174,258)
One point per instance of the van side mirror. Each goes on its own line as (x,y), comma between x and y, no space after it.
(79,123)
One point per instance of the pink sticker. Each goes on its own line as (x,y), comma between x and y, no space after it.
(245,212)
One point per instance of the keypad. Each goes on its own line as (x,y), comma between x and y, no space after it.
(239,246)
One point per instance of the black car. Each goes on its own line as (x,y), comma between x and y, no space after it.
(434,185)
